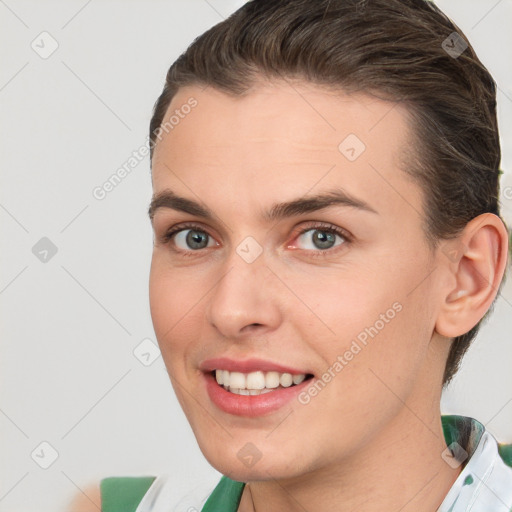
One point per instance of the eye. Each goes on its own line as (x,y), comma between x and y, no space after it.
(321,238)
(189,238)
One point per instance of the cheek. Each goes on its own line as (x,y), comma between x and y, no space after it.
(176,315)
(341,303)
(174,303)
(173,291)
(371,321)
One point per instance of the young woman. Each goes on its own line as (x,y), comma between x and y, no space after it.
(327,242)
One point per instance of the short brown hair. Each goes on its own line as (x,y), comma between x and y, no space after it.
(395,49)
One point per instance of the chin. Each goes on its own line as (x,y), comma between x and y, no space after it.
(248,465)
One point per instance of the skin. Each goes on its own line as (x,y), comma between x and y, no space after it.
(372,439)
(87,500)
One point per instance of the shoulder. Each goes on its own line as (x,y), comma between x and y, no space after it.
(124,493)
(113,494)
(87,500)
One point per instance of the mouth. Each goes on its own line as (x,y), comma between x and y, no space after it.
(258,382)
(257,393)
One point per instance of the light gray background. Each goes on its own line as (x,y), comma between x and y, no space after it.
(71,324)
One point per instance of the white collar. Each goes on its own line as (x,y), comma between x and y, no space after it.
(484,484)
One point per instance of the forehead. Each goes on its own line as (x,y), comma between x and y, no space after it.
(285,137)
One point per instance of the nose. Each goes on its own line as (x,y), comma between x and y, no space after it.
(245,300)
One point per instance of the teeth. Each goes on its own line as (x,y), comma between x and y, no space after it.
(255,383)
(237,391)
(237,380)
(271,380)
(286,380)
(297,379)
(255,380)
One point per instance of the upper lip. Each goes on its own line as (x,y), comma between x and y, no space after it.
(247,366)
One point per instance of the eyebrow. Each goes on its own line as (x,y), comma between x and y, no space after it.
(306,204)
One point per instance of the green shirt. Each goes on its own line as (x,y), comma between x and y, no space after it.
(484,484)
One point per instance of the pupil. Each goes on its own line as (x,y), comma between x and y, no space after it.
(194,237)
(323,239)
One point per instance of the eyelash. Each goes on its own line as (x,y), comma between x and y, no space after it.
(325,227)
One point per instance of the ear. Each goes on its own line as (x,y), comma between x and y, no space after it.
(476,261)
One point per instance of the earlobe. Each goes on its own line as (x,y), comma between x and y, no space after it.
(477,270)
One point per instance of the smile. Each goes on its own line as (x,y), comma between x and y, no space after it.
(256,383)
(247,394)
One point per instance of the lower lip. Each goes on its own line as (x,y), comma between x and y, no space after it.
(251,405)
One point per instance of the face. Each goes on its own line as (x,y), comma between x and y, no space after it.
(336,285)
